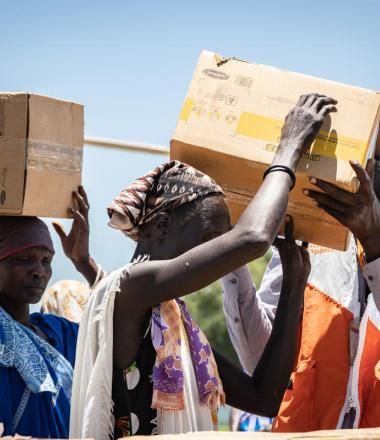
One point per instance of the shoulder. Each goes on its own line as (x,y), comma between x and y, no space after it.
(53,322)
(61,332)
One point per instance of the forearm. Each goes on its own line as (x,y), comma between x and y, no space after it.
(88,268)
(371,246)
(282,157)
(270,203)
(275,366)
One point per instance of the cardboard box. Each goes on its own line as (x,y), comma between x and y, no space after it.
(41,148)
(230,126)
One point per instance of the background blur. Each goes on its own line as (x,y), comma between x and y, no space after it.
(130,63)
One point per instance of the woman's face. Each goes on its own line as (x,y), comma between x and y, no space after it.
(25,275)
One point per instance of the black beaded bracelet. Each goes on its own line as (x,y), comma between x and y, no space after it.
(284,169)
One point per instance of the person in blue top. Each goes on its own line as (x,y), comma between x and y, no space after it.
(37,351)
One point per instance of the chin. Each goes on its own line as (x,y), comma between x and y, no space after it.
(33,297)
(35,300)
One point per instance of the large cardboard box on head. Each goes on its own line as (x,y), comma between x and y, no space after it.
(230,127)
(41,148)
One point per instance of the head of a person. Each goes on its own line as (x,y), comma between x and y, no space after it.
(26,253)
(66,298)
(171,210)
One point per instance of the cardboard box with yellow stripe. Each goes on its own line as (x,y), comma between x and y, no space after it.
(230,127)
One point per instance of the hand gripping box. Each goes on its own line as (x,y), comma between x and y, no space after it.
(41,148)
(230,126)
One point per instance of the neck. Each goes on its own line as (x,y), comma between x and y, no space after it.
(143,249)
(140,250)
(19,312)
(155,250)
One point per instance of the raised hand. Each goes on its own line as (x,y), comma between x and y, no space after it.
(301,127)
(359,212)
(294,259)
(75,244)
(304,121)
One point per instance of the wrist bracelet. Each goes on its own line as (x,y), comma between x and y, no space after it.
(284,169)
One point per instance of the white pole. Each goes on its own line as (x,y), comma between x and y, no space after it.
(127,145)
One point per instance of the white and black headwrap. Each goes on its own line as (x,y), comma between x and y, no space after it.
(164,188)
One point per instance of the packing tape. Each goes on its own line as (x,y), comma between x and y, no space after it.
(327,144)
(43,155)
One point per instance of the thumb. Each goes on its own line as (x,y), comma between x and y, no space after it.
(289,228)
(60,231)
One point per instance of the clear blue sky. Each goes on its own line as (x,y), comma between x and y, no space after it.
(130,63)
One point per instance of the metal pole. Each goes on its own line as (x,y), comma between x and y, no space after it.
(127,145)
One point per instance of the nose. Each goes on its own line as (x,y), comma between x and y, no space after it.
(39,270)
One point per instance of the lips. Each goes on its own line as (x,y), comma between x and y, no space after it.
(35,288)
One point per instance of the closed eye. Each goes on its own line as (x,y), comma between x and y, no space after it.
(22,258)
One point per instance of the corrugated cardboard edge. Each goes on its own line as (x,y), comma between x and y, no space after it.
(42,96)
(223,60)
(17,141)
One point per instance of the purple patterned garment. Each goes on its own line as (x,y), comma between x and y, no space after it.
(168,380)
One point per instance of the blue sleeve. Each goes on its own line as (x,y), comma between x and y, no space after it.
(61,332)
(9,390)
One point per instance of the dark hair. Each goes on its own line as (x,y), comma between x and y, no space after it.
(203,207)
(197,208)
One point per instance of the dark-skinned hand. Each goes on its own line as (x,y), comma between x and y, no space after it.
(304,121)
(301,127)
(359,212)
(295,259)
(75,244)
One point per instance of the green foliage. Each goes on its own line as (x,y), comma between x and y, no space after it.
(207,309)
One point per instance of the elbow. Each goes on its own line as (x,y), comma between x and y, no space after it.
(255,241)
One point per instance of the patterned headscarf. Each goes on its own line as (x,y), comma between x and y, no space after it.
(167,186)
(20,233)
